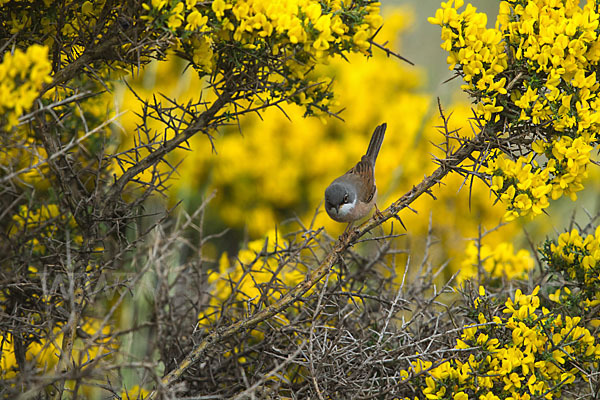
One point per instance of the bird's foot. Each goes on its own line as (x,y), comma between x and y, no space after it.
(347,232)
(378,214)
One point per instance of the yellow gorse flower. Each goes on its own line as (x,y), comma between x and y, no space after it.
(314,27)
(577,258)
(523,354)
(499,261)
(22,75)
(536,67)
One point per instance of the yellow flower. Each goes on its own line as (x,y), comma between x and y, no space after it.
(501,261)
(159,4)
(176,18)
(313,11)
(360,39)
(87,8)
(203,53)
(489,396)
(22,75)
(460,396)
(219,7)
(195,21)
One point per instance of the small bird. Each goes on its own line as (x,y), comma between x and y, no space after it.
(352,196)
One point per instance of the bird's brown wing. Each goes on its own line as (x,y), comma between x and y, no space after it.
(364,172)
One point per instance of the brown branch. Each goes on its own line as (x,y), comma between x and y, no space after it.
(75,68)
(446,166)
(389,52)
(220,334)
(199,125)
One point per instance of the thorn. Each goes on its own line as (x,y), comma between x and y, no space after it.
(400,220)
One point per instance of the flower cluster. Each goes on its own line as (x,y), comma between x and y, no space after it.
(22,75)
(521,184)
(577,260)
(315,26)
(299,33)
(525,352)
(559,44)
(568,161)
(478,52)
(500,261)
(533,77)
(253,278)
(526,186)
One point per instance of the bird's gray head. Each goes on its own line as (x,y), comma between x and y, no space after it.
(340,200)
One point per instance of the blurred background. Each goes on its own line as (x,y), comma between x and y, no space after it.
(275,165)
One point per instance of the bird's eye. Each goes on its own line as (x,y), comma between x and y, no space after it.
(345,199)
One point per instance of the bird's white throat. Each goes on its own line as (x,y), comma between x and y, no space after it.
(346,209)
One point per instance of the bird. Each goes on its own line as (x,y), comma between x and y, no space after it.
(352,196)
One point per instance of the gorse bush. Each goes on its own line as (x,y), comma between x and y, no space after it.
(161,181)
(534,79)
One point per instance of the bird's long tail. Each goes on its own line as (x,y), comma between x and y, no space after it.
(376,141)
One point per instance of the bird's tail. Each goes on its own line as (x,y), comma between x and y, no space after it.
(376,141)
